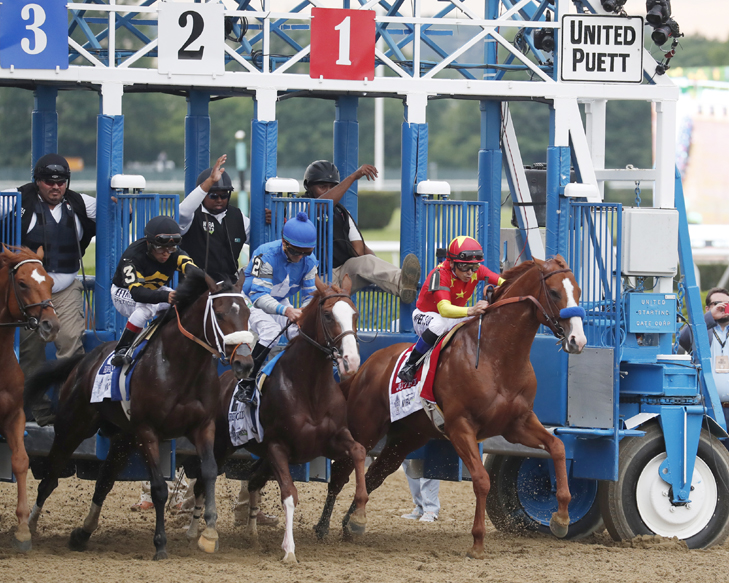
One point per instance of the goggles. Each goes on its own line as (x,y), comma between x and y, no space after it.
(219,194)
(166,240)
(168,248)
(467,266)
(56,169)
(468,256)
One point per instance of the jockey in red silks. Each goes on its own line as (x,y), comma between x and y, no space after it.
(442,300)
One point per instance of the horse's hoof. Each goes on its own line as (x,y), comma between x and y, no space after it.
(289,558)
(357,526)
(558,526)
(22,546)
(78,539)
(478,554)
(160,556)
(321,531)
(208,541)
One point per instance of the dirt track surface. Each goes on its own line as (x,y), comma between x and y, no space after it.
(393,550)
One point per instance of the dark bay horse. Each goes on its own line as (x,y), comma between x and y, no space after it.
(302,409)
(25,292)
(175,392)
(495,399)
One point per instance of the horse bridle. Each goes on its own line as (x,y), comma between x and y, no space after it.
(30,322)
(331,349)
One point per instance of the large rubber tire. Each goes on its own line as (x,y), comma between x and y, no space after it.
(521,498)
(639,502)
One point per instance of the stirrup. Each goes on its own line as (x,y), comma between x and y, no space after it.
(245,393)
(121,357)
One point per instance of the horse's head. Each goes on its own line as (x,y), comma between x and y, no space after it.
(28,291)
(330,320)
(560,297)
(229,326)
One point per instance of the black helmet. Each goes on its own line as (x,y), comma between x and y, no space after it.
(224,184)
(52,166)
(321,171)
(163,230)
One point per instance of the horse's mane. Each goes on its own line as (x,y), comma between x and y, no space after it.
(512,275)
(12,255)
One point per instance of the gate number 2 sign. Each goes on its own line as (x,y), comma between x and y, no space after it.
(342,44)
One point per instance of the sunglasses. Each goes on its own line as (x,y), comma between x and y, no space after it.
(49,182)
(293,251)
(467,267)
(218,195)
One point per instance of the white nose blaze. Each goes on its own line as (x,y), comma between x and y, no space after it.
(344,315)
(576,334)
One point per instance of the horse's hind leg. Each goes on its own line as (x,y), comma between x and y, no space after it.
(343,442)
(279,460)
(13,432)
(533,434)
(149,444)
(204,439)
(463,438)
(119,449)
(192,530)
(341,470)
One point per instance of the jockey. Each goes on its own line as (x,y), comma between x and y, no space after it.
(278,271)
(139,288)
(442,300)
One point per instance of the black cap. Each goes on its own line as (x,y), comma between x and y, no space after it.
(52,166)
(225,183)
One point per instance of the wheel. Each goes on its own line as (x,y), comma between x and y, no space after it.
(521,498)
(639,502)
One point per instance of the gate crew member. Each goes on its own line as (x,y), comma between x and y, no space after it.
(140,288)
(63,222)
(443,297)
(717,323)
(213,231)
(278,271)
(351,255)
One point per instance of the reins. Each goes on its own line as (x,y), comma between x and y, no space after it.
(331,350)
(30,322)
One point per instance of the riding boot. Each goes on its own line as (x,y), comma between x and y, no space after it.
(407,373)
(120,352)
(246,387)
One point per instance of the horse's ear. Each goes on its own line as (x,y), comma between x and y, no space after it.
(347,285)
(212,284)
(239,284)
(320,285)
(39,252)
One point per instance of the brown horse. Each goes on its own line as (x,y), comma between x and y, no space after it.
(175,391)
(25,289)
(302,409)
(496,399)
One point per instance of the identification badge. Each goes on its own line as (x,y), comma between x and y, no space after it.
(721,364)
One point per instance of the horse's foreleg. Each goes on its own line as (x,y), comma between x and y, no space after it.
(345,443)
(341,469)
(279,459)
(192,530)
(463,438)
(13,432)
(119,449)
(533,434)
(204,439)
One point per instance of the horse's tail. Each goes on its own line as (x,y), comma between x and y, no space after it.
(54,371)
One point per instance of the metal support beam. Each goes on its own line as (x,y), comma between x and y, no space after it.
(44,124)
(346,146)
(197,137)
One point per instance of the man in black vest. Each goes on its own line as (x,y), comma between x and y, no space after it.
(351,255)
(213,231)
(63,222)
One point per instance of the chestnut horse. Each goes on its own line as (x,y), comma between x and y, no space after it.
(174,393)
(495,399)
(302,410)
(25,289)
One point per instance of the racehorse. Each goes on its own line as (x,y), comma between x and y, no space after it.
(25,289)
(495,399)
(174,392)
(302,409)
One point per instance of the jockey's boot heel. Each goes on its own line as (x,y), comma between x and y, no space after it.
(245,391)
(122,347)
(407,373)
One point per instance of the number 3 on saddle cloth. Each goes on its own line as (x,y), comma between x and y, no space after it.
(112,382)
(407,398)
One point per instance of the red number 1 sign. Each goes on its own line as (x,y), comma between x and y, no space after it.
(342,44)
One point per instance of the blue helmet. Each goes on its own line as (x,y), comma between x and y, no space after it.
(300,232)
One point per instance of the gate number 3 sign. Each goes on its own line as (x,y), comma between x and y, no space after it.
(342,44)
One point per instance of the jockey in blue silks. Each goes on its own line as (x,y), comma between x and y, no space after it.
(278,271)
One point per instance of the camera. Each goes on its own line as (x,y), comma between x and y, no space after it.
(662,33)
(544,39)
(612,5)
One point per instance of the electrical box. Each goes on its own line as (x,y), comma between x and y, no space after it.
(650,242)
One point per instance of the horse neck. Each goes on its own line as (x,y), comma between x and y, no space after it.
(6,332)
(192,320)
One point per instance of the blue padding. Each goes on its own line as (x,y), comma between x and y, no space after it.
(572,312)
(270,364)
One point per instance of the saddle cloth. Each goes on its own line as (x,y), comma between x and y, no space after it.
(244,423)
(112,382)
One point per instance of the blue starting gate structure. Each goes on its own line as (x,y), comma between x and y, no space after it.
(642,424)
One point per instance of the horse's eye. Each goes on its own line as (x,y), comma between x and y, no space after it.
(555,294)
(328,315)
(219,316)
(23,285)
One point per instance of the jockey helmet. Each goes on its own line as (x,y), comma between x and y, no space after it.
(465,250)
(321,171)
(53,167)
(300,232)
(225,184)
(163,231)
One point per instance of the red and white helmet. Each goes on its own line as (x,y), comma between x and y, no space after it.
(465,250)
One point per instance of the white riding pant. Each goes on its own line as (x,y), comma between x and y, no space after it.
(424,491)
(269,326)
(434,322)
(137,313)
